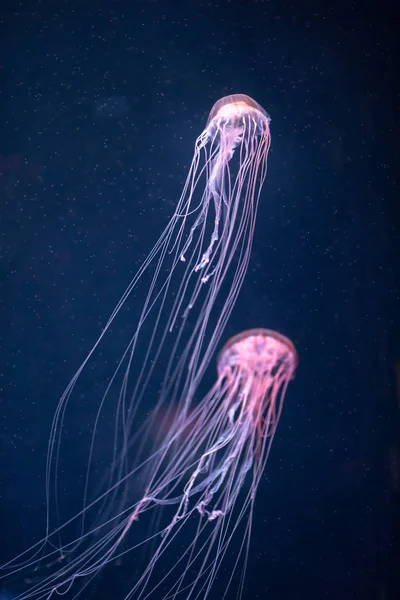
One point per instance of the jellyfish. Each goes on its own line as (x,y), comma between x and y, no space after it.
(163,332)
(200,495)
(152,353)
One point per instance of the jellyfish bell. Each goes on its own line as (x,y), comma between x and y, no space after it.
(234,110)
(258,350)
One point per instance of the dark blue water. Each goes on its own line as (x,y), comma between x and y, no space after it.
(101,104)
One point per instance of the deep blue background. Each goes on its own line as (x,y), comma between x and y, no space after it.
(87,186)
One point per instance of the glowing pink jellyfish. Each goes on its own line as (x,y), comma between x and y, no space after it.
(145,368)
(200,493)
(163,332)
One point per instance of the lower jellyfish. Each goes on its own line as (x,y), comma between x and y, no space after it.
(201,485)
